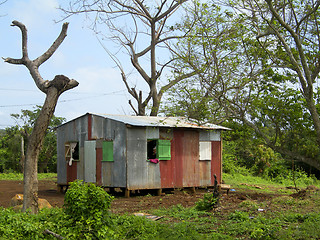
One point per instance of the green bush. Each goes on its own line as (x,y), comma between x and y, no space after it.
(87,209)
(239,216)
(133,227)
(208,202)
(19,225)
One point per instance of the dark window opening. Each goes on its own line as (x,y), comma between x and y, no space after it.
(72,151)
(75,153)
(152,149)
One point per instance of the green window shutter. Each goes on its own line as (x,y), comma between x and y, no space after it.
(164,149)
(107,151)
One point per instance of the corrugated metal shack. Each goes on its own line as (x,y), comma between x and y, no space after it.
(137,152)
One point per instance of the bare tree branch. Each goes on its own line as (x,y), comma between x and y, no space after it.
(144,21)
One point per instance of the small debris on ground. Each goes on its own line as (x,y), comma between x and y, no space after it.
(251,185)
(148,216)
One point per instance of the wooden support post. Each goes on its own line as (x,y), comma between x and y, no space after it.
(127,193)
(159,192)
(60,188)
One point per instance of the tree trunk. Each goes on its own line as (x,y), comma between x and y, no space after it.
(314,115)
(30,199)
(23,157)
(53,89)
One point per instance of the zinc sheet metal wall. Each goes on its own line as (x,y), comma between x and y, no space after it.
(216,162)
(185,169)
(141,174)
(90,161)
(75,131)
(110,174)
(114,173)
(130,168)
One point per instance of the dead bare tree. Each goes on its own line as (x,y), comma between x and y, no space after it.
(53,89)
(141,29)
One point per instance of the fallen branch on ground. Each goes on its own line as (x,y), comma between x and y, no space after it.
(53,234)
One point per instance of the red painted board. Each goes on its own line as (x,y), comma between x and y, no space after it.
(71,171)
(99,157)
(191,159)
(216,161)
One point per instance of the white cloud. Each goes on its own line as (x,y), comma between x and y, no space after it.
(34,13)
(95,79)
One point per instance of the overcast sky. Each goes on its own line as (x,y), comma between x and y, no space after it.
(79,57)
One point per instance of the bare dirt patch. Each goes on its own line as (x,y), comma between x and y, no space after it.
(139,202)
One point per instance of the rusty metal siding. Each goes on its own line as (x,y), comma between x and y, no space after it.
(99,158)
(76,130)
(177,145)
(140,173)
(185,169)
(216,161)
(205,173)
(130,168)
(71,172)
(191,159)
(172,171)
(167,167)
(167,173)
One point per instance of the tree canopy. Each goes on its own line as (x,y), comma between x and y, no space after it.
(257,63)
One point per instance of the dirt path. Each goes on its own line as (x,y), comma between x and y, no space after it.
(47,190)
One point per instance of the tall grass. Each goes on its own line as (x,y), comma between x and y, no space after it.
(302,180)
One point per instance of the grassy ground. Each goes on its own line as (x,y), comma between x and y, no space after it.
(266,210)
(257,209)
(19,176)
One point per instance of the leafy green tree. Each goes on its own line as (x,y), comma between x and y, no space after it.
(256,63)
(10,154)
(25,122)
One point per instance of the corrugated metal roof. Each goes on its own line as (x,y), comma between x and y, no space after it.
(148,121)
